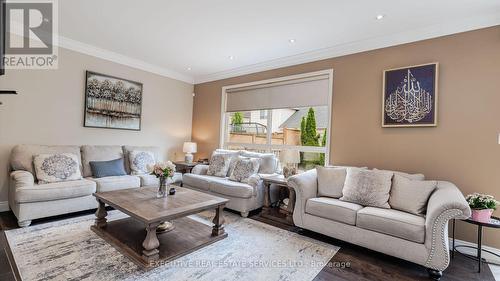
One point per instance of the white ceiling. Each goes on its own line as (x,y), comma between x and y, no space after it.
(168,37)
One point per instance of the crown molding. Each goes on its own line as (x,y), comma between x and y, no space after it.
(94,51)
(91,50)
(359,46)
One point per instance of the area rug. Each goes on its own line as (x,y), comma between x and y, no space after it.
(69,250)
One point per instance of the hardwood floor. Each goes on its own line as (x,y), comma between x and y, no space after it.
(350,263)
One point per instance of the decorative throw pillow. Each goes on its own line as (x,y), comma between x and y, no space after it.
(101,169)
(139,161)
(219,164)
(330,181)
(268,161)
(57,167)
(410,195)
(244,169)
(367,187)
(234,156)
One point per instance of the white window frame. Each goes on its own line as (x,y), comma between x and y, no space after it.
(224,118)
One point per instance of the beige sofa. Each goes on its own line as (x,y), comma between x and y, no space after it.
(242,197)
(30,200)
(419,239)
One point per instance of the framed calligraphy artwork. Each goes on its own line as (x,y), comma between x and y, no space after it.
(410,95)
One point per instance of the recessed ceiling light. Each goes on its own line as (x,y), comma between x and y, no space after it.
(291,40)
(379,17)
(231,57)
(189,68)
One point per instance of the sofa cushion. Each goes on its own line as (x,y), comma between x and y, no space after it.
(110,168)
(333,209)
(392,222)
(234,157)
(268,161)
(410,195)
(219,165)
(331,181)
(198,181)
(367,188)
(54,191)
(116,183)
(420,177)
(231,188)
(244,169)
(22,155)
(57,167)
(99,153)
(152,180)
(128,148)
(140,161)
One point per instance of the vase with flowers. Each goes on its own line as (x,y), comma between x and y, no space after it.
(164,171)
(482,206)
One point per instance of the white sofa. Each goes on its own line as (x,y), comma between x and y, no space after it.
(419,239)
(30,200)
(242,197)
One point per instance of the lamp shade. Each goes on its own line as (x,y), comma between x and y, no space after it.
(189,147)
(290,156)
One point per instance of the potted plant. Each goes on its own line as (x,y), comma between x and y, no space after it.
(163,171)
(482,206)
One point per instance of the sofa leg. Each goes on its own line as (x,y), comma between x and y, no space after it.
(244,214)
(434,274)
(24,223)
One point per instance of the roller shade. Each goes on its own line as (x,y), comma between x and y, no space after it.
(310,91)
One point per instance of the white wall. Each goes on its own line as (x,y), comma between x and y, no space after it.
(50,105)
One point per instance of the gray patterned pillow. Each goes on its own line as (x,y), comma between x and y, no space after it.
(268,161)
(56,167)
(219,164)
(139,161)
(244,169)
(367,187)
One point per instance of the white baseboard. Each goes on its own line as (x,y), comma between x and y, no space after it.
(473,252)
(4,206)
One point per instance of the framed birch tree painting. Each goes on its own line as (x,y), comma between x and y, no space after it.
(112,102)
(410,96)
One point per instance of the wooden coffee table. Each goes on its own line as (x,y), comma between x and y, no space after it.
(136,236)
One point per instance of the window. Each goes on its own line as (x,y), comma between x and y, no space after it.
(258,117)
(263,114)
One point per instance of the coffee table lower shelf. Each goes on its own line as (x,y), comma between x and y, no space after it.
(127,235)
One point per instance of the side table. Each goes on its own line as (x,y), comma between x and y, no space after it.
(493,223)
(276,213)
(184,167)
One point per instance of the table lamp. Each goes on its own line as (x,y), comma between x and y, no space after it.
(189,148)
(290,159)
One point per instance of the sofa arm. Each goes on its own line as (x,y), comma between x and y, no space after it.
(255,181)
(445,203)
(306,187)
(21,178)
(200,169)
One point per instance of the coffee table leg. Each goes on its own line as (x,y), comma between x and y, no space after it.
(151,244)
(218,221)
(101,214)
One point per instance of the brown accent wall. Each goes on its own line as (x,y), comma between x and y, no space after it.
(463,148)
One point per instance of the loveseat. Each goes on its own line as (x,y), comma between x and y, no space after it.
(419,239)
(243,197)
(30,199)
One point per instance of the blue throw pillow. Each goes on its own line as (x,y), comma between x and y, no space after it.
(109,168)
